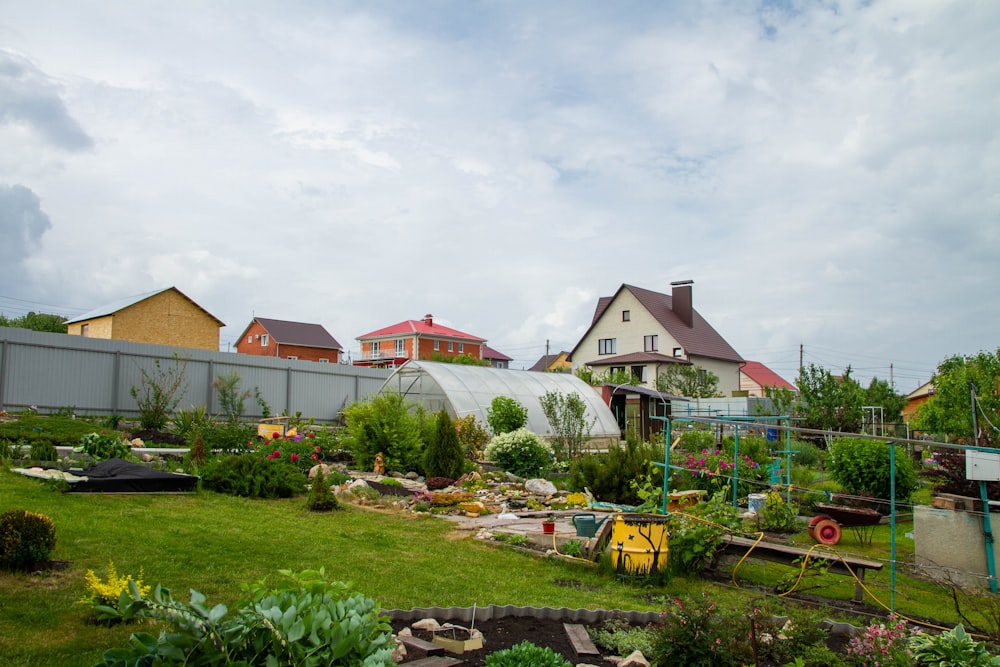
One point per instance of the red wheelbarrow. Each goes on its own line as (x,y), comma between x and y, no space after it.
(825,528)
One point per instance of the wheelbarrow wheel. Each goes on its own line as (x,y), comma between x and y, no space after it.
(825,531)
(813,521)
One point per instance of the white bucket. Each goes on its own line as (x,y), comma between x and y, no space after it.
(756,502)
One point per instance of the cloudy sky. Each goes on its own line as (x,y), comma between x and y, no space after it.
(828,173)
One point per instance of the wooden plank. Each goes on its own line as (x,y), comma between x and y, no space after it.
(580,640)
(434,661)
(426,647)
(788,553)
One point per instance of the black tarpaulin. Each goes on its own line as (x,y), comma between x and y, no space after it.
(118,476)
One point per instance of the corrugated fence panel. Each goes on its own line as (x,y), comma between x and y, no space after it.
(54,371)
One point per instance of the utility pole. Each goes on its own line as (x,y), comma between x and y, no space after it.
(800,358)
(546,349)
(892,385)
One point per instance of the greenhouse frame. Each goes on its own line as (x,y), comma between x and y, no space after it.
(469,390)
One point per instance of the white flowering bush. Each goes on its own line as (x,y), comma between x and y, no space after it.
(520,452)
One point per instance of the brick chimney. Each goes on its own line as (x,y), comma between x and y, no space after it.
(680,292)
(429,320)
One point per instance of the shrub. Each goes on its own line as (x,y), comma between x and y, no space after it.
(692,634)
(948,476)
(861,466)
(520,452)
(321,499)
(882,645)
(567,417)
(778,516)
(26,539)
(106,597)
(696,534)
(228,437)
(712,470)
(952,647)
(472,436)
(617,637)
(505,415)
(159,392)
(807,453)
(526,654)
(309,622)
(609,474)
(103,447)
(188,422)
(252,476)
(43,450)
(443,453)
(384,424)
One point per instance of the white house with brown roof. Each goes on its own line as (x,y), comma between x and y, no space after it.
(644,332)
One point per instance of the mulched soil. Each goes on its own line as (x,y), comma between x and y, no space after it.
(152,438)
(505,632)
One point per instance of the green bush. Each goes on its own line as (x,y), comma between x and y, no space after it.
(103,447)
(226,437)
(26,539)
(43,450)
(321,498)
(807,453)
(252,476)
(617,637)
(609,474)
(861,467)
(386,424)
(505,415)
(520,452)
(695,440)
(159,392)
(526,654)
(473,436)
(778,516)
(696,534)
(310,622)
(443,455)
(58,431)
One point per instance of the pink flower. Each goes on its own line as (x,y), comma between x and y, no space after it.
(295,457)
(314,457)
(275,435)
(311,435)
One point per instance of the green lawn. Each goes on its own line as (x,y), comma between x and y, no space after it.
(213,543)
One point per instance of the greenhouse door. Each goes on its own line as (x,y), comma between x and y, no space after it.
(633,419)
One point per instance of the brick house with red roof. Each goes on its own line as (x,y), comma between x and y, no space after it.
(643,332)
(416,339)
(265,337)
(755,377)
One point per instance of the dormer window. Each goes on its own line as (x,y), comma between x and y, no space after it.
(678,353)
(626,316)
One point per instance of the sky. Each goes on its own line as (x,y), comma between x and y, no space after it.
(827,173)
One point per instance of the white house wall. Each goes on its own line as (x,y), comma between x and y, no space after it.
(630,335)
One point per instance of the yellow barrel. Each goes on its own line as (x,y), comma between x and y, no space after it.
(639,544)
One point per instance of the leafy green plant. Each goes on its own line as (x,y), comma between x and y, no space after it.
(693,634)
(526,654)
(43,450)
(188,422)
(26,539)
(109,597)
(567,417)
(103,447)
(513,539)
(520,452)
(472,436)
(443,455)
(617,637)
(777,515)
(387,424)
(505,414)
(159,392)
(308,623)
(696,534)
(951,648)
(320,498)
(252,476)
(572,548)
(861,466)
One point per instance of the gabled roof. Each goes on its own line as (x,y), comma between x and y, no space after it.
(490,353)
(296,333)
(764,376)
(923,391)
(424,327)
(547,360)
(700,339)
(121,304)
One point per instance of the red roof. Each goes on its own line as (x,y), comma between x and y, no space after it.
(424,327)
(764,376)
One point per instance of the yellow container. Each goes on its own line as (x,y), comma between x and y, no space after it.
(639,544)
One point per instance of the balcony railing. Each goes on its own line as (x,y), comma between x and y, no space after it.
(384,355)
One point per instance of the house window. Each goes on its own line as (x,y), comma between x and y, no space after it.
(678,352)
(373,347)
(264,340)
(639,373)
(461,348)
(249,338)
(616,370)
(324,360)
(291,356)
(451,346)
(437,345)
(400,347)
(651,343)
(626,316)
(84,330)
(607,346)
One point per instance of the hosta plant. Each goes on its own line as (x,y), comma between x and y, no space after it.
(951,648)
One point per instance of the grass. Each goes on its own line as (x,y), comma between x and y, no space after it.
(215,543)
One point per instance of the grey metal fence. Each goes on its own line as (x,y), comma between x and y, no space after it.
(56,371)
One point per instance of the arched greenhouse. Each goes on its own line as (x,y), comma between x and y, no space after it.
(463,390)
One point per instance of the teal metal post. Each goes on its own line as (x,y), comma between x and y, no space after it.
(892,526)
(736,462)
(788,463)
(666,464)
(988,537)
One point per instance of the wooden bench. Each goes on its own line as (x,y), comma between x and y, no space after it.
(425,647)
(788,554)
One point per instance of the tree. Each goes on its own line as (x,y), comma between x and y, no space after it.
(36,322)
(505,414)
(880,393)
(948,412)
(691,381)
(443,454)
(159,392)
(385,424)
(230,397)
(567,417)
(828,402)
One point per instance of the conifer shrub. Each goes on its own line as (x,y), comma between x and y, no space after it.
(26,539)
(320,498)
(443,455)
(251,476)
(609,474)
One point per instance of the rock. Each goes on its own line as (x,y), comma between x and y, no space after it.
(358,484)
(475,634)
(634,659)
(326,470)
(428,624)
(541,487)
(137,442)
(412,475)
(405,632)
